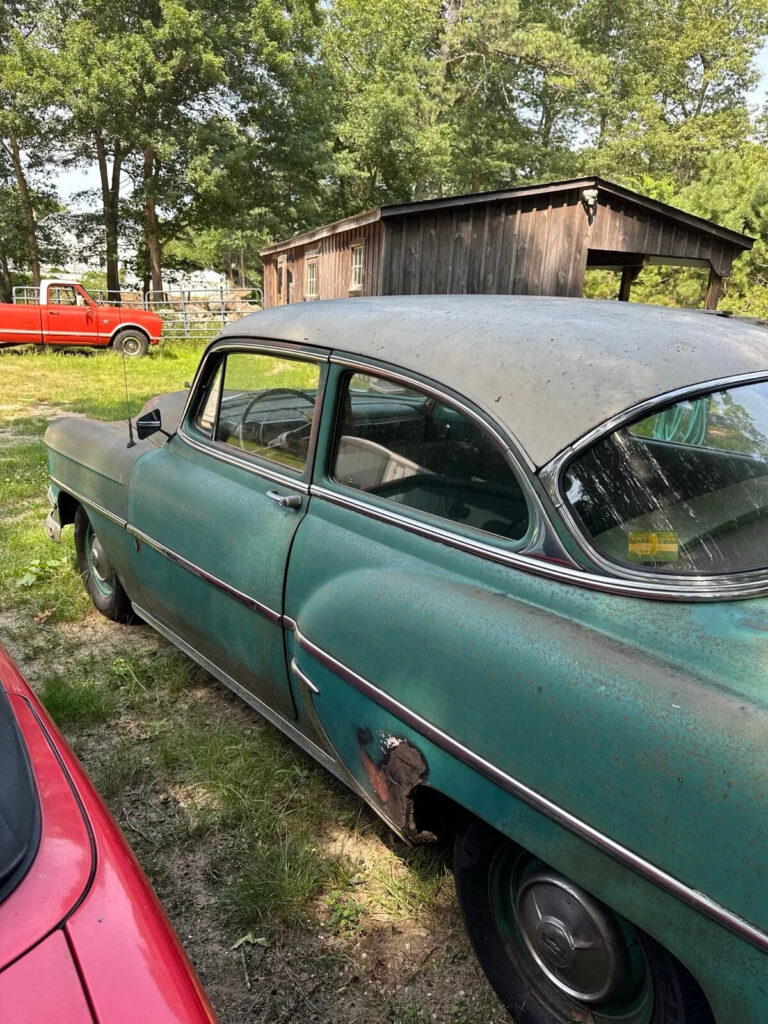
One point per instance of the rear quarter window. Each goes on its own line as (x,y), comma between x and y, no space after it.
(684,490)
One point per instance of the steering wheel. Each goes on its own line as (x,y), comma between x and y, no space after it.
(272,392)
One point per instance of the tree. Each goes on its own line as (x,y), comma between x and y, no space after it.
(680,72)
(462,95)
(25,69)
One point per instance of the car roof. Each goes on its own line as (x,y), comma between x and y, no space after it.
(550,369)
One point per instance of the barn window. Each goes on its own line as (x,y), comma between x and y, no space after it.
(311,292)
(356,284)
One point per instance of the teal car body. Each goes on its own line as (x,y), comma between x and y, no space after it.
(437,623)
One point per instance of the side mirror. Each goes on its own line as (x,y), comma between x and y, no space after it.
(149,423)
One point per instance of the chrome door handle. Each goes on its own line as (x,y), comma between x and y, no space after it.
(285,500)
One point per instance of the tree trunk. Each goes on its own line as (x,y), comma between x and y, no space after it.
(28,211)
(6,283)
(110,197)
(151,226)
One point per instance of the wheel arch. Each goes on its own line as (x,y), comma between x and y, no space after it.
(440,817)
(68,506)
(130,325)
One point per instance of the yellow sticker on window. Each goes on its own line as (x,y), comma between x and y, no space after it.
(646,546)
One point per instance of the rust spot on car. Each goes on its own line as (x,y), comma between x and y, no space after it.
(394,778)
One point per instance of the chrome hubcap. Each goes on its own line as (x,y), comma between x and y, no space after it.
(572,937)
(100,567)
(130,346)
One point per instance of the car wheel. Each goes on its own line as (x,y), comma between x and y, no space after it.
(130,342)
(553,953)
(100,579)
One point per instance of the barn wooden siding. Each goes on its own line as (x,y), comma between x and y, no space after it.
(622,226)
(333,254)
(529,246)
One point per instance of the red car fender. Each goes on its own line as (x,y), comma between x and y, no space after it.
(86,886)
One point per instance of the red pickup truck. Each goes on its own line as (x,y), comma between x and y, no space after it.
(67,315)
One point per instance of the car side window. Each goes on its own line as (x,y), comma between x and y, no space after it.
(62,297)
(263,405)
(402,445)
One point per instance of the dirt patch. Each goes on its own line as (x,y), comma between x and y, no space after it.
(42,648)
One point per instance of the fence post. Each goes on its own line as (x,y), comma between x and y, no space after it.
(184,319)
(221,303)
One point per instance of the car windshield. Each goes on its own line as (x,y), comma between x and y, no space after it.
(684,491)
(19,817)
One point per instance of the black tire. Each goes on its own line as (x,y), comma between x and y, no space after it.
(648,985)
(131,342)
(100,579)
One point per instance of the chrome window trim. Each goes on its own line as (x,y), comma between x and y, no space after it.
(526,561)
(226,343)
(246,462)
(500,434)
(695,899)
(730,586)
(534,536)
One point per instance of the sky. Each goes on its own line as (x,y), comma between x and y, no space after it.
(77,180)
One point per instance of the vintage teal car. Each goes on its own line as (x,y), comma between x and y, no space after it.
(501,565)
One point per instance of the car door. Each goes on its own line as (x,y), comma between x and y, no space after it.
(216,509)
(399,581)
(68,318)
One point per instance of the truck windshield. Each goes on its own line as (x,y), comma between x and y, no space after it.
(684,491)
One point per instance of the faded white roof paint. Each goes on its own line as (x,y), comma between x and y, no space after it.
(549,369)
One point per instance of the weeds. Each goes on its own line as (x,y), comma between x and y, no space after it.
(39,569)
(76,703)
(344,912)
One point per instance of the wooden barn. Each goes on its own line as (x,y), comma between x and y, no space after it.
(530,240)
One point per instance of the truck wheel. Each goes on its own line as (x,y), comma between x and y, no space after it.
(131,342)
(100,579)
(553,953)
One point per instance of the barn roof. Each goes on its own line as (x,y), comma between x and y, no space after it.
(707,227)
(550,369)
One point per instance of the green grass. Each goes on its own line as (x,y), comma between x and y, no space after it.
(273,804)
(70,702)
(90,381)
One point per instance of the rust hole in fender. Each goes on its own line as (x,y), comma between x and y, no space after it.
(402,768)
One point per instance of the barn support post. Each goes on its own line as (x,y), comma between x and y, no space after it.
(628,278)
(714,289)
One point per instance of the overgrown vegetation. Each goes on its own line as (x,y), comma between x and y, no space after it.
(293,901)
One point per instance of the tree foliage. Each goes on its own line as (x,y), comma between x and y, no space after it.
(219,124)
